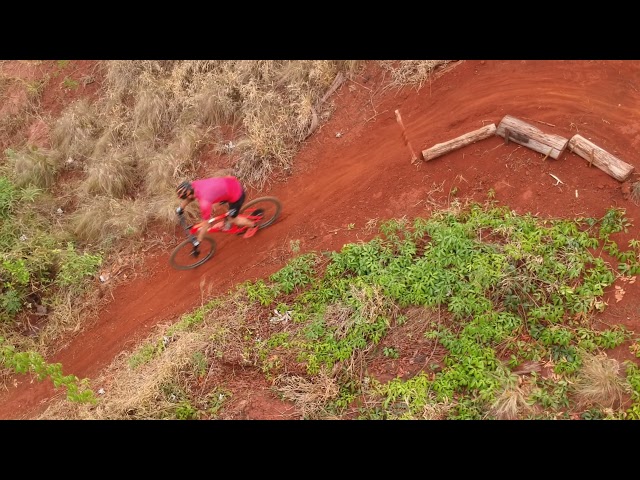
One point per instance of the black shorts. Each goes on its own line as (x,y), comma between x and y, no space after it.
(234,208)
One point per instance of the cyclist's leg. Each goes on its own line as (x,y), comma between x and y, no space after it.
(234,209)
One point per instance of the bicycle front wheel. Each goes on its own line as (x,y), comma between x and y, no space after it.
(263,211)
(186,257)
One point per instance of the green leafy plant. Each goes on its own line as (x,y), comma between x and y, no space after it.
(297,273)
(23,362)
(185,411)
(69,83)
(259,291)
(76,267)
(390,352)
(8,195)
(11,302)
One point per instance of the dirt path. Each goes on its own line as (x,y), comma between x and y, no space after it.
(357,168)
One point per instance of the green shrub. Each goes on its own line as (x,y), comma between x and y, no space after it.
(7,196)
(75,268)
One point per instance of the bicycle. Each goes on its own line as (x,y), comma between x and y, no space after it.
(263,211)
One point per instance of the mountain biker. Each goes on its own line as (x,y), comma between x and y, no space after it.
(213,190)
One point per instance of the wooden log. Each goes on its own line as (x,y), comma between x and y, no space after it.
(440,149)
(525,134)
(600,158)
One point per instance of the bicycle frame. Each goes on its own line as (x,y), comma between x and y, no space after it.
(216,223)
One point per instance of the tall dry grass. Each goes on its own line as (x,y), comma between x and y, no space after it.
(36,167)
(76,132)
(154,119)
(600,383)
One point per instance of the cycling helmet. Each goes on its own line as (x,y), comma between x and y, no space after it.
(184,189)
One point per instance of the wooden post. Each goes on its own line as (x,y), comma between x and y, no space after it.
(414,157)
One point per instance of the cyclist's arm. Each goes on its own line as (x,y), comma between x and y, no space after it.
(185,202)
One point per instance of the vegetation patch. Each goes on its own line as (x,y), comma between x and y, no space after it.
(502,307)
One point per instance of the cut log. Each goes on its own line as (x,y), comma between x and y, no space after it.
(440,149)
(525,134)
(600,158)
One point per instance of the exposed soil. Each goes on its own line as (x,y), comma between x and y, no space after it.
(357,167)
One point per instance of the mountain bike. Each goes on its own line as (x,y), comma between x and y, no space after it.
(263,211)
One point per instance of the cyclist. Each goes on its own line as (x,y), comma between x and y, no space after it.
(213,190)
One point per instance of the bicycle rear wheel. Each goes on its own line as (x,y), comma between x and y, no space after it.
(263,210)
(185,257)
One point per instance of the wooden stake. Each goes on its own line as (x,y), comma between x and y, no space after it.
(414,157)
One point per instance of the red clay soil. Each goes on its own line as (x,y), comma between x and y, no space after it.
(357,167)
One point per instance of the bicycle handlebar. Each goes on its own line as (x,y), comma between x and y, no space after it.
(187,227)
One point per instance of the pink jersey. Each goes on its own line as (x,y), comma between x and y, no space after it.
(209,191)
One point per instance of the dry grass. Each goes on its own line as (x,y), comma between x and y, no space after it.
(372,304)
(75,133)
(599,382)
(153,389)
(341,318)
(185,146)
(153,119)
(411,72)
(511,404)
(122,79)
(309,395)
(437,411)
(104,220)
(229,330)
(152,113)
(216,103)
(160,171)
(150,391)
(19,105)
(33,167)
(113,175)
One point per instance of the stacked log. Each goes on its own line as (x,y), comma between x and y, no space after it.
(517,131)
(525,134)
(600,158)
